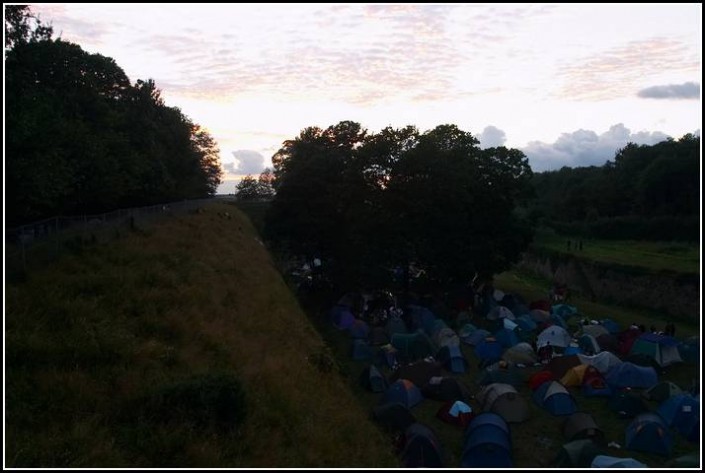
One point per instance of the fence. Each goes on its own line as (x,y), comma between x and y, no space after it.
(43,241)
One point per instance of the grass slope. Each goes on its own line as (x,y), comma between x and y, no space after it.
(98,344)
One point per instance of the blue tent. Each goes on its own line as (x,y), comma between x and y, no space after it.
(508,338)
(404,392)
(359,329)
(605,461)
(361,350)
(611,326)
(388,355)
(555,398)
(564,310)
(476,337)
(489,350)
(421,318)
(452,359)
(488,443)
(682,411)
(395,325)
(341,316)
(412,346)
(649,433)
(689,350)
(515,303)
(373,379)
(629,375)
(525,322)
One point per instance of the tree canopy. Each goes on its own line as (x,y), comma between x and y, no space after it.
(645,192)
(81,139)
(375,201)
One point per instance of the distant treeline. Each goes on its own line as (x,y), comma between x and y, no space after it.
(81,139)
(647,192)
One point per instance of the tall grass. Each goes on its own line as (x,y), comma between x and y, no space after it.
(177,346)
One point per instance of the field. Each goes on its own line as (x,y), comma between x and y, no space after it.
(657,256)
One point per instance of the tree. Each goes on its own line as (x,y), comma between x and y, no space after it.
(21,26)
(81,139)
(378,201)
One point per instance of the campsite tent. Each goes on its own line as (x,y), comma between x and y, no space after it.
(445,336)
(361,350)
(682,411)
(395,325)
(649,433)
(342,317)
(525,322)
(594,383)
(508,374)
(412,346)
(577,454)
(595,330)
(418,372)
(662,348)
(581,425)
(555,398)
(555,335)
(603,361)
(489,349)
(446,388)
(540,377)
(507,337)
(520,353)
(404,392)
(487,443)
(393,417)
(452,359)
(455,413)
(606,461)
(611,326)
(588,344)
(689,350)
(564,310)
(659,392)
(561,364)
(630,375)
(388,355)
(476,337)
(421,448)
(359,329)
(373,379)
(500,312)
(574,376)
(504,400)
(377,336)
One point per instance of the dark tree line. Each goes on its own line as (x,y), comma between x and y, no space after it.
(80,138)
(372,202)
(646,192)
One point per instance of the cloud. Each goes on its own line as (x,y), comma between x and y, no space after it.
(492,137)
(585,147)
(614,72)
(248,162)
(688,90)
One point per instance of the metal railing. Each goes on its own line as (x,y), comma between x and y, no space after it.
(43,241)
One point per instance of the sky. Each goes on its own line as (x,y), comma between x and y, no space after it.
(568,84)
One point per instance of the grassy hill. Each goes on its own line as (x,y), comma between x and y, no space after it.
(132,355)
